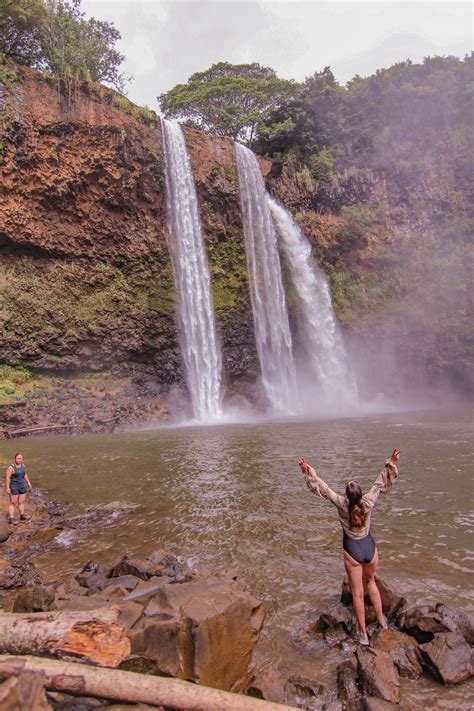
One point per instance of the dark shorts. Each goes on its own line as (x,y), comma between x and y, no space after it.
(15,492)
(361,549)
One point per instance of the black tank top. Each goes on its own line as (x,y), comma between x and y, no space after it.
(18,477)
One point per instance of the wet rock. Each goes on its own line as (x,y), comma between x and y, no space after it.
(422,623)
(372,703)
(20,574)
(70,585)
(146,588)
(208,633)
(24,693)
(392,599)
(129,582)
(347,686)
(138,567)
(4,530)
(38,598)
(456,620)
(272,684)
(449,657)
(92,581)
(377,674)
(403,650)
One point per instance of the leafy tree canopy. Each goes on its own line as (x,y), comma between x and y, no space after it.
(228,99)
(56,36)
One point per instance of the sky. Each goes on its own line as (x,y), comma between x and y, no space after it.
(165,41)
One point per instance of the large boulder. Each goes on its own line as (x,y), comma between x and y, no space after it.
(158,563)
(4,530)
(272,684)
(456,620)
(392,599)
(203,630)
(377,674)
(422,623)
(449,657)
(347,687)
(403,650)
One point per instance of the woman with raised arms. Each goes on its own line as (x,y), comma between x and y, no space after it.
(360,553)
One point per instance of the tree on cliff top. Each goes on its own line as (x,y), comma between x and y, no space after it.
(227,99)
(20,21)
(56,36)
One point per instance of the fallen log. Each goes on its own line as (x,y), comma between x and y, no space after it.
(117,685)
(28,431)
(92,636)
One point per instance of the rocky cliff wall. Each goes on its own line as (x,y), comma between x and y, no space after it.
(87,281)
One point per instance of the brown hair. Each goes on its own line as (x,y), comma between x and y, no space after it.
(357,514)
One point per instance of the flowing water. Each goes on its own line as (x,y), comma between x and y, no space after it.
(199,345)
(232,496)
(271,325)
(325,361)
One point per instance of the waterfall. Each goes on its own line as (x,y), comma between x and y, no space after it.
(319,332)
(272,329)
(200,350)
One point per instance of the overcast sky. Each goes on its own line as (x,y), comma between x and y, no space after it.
(165,41)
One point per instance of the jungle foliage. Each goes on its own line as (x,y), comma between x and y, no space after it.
(56,37)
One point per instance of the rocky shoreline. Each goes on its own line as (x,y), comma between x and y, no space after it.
(165,618)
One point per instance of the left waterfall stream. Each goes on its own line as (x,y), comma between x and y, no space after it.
(199,345)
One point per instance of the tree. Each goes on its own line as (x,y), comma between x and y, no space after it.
(20,21)
(227,99)
(75,46)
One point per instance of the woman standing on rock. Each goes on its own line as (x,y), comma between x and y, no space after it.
(17,483)
(360,554)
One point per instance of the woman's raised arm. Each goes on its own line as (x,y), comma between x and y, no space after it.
(317,485)
(384,481)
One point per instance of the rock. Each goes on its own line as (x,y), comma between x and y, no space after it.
(422,623)
(203,630)
(449,657)
(129,582)
(4,530)
(347,687)
(403,650)
(336,625)
(392,599)
(138,567)
(372,703)
(38,598)
(377,674)
(24,693)
(271,684)
(146,588)
(69,586)
(456,620)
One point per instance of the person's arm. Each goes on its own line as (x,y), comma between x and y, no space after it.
(318,486)
(384,481)
(8,476)
(27,479)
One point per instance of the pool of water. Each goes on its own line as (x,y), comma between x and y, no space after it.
(233,496)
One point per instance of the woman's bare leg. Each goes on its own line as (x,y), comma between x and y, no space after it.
(354,573)
(368,575)
(21,504)
(11,506)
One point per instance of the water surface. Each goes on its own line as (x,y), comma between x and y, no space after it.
(233,496)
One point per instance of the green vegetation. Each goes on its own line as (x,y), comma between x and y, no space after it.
(227,99)
(55,36)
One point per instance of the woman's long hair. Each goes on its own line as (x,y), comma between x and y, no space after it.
(357,514)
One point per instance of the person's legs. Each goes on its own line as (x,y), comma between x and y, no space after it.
(368,575)
(11,506)
(21,504)
(354,573)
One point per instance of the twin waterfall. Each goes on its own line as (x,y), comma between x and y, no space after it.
(293,378)
(201,353)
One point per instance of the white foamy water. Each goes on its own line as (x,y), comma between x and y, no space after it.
(200,350)
(270,315)
(319,334)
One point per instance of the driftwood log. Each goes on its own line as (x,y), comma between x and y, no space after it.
(93,636)
(117,685)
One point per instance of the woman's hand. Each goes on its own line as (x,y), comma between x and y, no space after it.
(395,456)
(303,465)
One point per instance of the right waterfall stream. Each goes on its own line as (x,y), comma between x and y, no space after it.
(320,376)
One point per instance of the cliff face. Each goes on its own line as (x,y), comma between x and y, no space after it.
(87,279)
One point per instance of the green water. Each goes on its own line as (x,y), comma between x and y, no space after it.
(233,496)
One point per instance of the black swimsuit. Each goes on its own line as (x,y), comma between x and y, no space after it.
(361,549)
